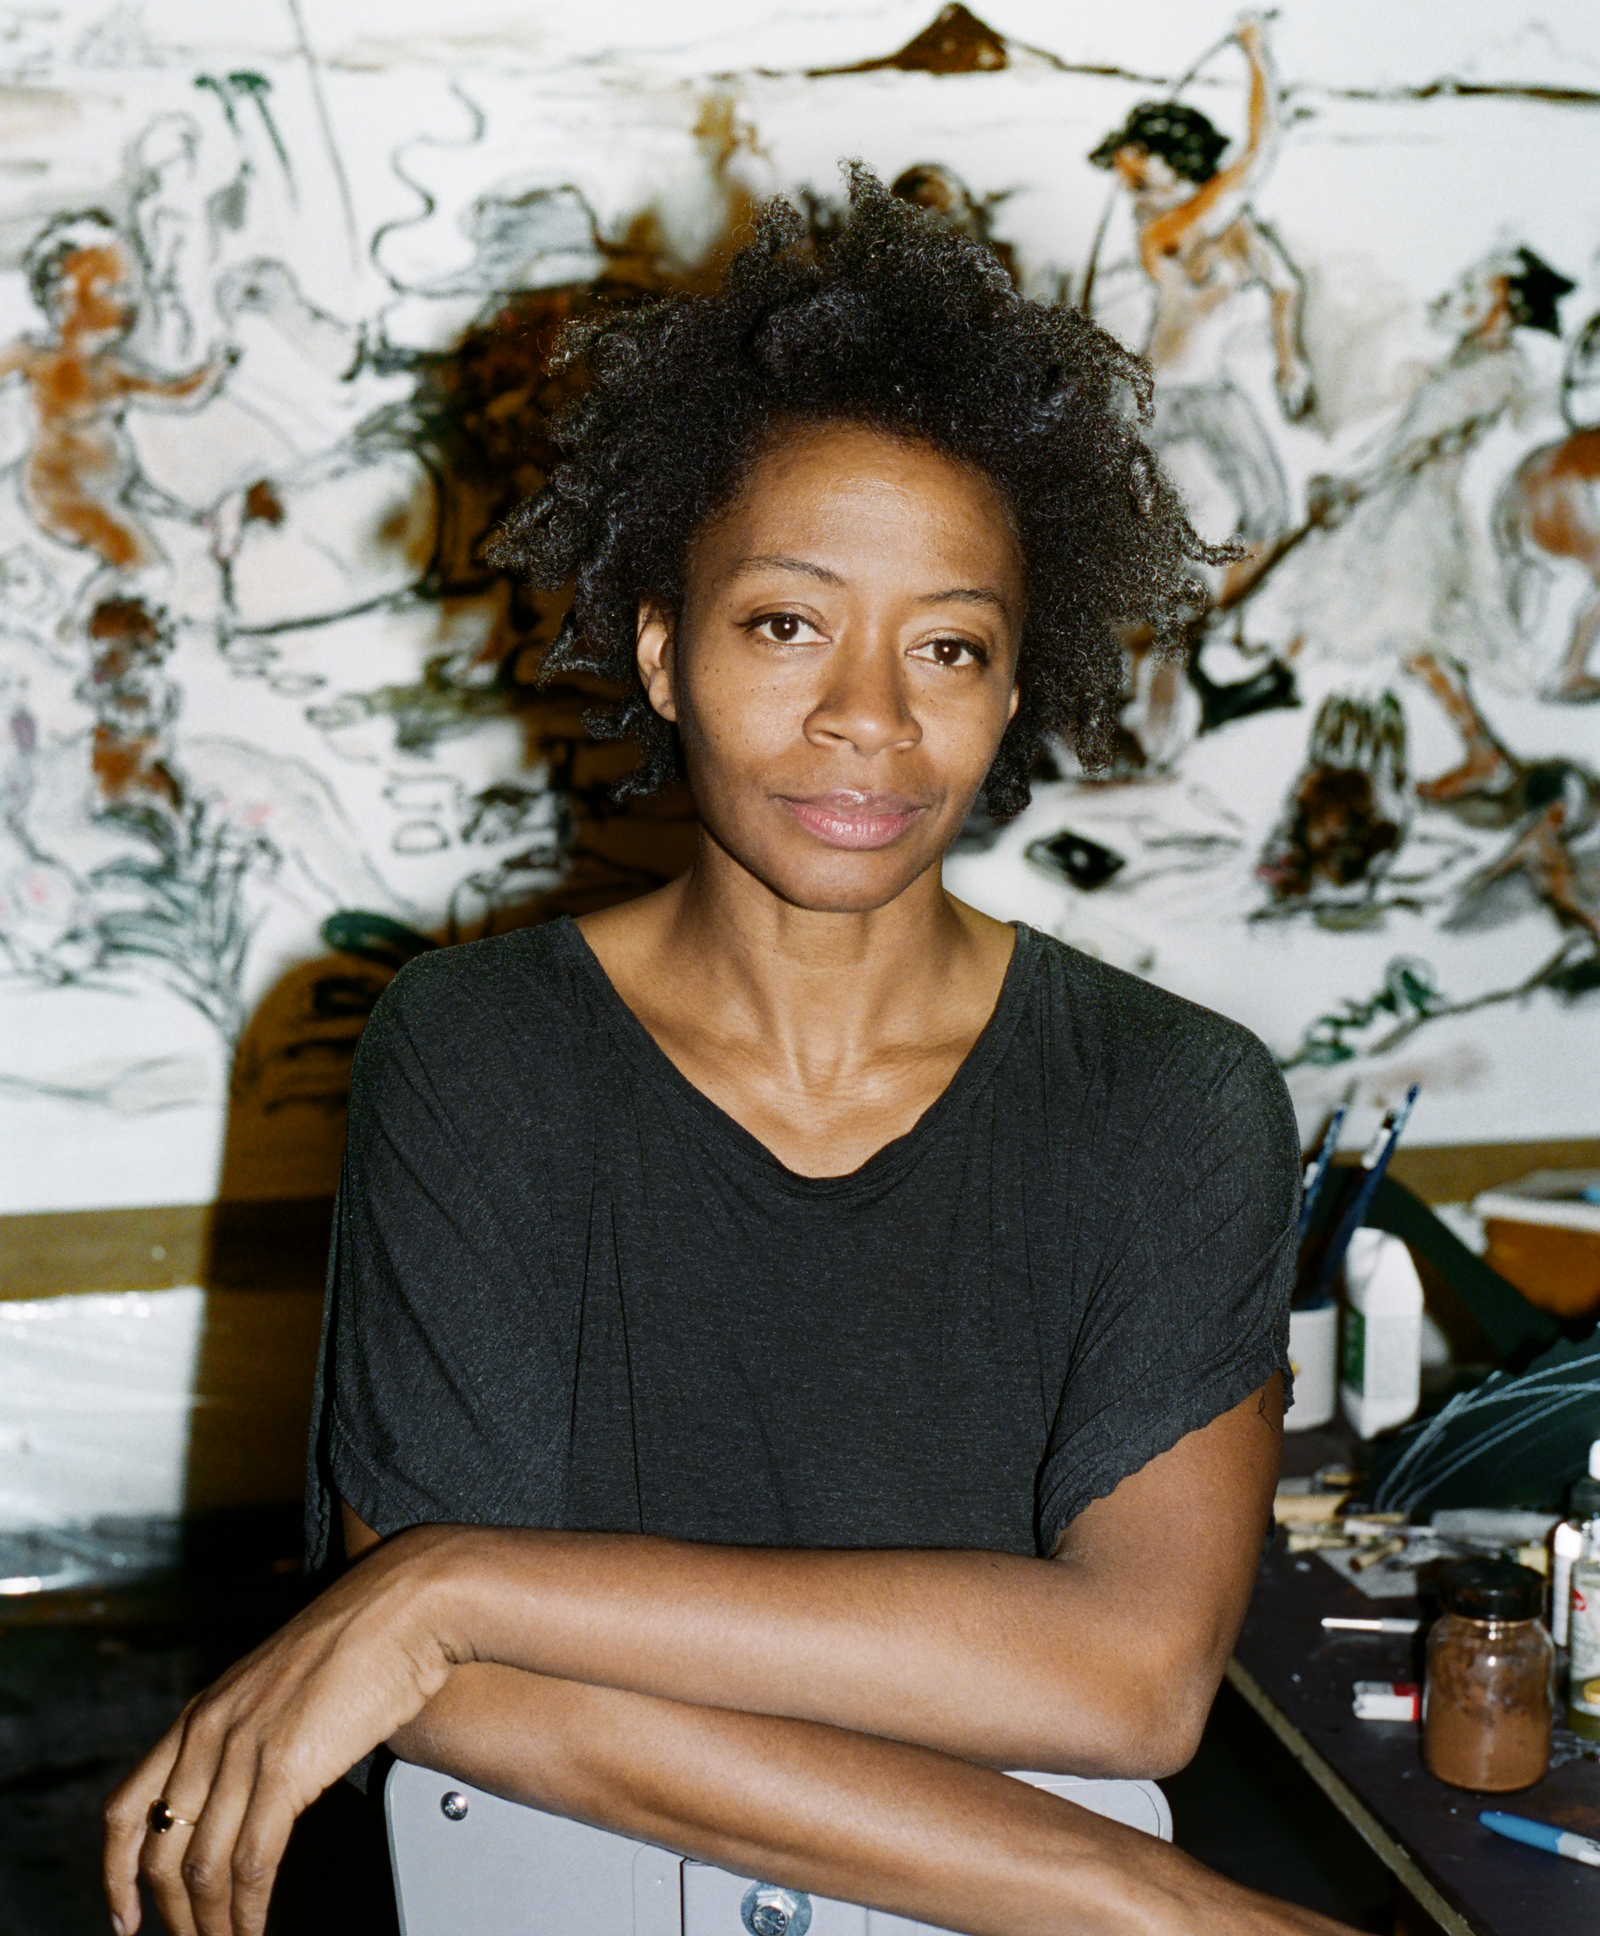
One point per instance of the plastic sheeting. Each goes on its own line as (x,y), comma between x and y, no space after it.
(96,1394)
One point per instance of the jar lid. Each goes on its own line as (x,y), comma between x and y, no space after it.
(1491,1590)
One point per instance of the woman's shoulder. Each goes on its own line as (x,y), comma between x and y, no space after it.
(1147,1095)
(1114,1029)
(514,1002)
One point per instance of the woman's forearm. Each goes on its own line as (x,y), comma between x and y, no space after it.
(991,1657)
(1102,1661)
(826,1810)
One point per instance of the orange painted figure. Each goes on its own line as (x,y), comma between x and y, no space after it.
(1202,246)
(78,472)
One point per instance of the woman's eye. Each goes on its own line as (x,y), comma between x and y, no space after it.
(785,627)
(952,652)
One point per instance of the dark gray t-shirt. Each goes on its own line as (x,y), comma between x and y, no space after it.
(567,1290)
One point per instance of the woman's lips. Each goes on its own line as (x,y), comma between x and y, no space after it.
(857,820)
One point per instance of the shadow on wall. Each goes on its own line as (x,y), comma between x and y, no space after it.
(480,417)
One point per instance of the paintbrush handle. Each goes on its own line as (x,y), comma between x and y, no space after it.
(1319,1172)
(1355,1216)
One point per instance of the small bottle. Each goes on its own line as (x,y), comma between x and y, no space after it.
(1486,1707)
(1583,1639)
(1380,1380)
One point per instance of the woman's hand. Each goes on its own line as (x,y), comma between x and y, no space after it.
(248,1755)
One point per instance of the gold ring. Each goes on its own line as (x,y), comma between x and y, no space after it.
(161,1818)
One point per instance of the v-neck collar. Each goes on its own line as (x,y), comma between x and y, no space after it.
(886,1163)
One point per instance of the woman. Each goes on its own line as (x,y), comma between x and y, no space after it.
(798,1346)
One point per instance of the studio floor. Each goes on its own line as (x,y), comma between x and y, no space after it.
(88,1683)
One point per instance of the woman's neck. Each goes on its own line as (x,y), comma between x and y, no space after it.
(826,1034)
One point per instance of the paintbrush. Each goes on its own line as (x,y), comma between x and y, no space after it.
(1317,1170)
(1374,1161)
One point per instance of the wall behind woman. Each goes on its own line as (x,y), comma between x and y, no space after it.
(279,293)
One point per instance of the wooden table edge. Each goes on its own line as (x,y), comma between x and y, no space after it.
(1393,1856)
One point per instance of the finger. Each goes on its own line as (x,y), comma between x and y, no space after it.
(263,1837)
(207,1865)
(187,1790)
(125,1815)
(160,1863)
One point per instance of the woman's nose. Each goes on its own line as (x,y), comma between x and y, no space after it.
(864,702)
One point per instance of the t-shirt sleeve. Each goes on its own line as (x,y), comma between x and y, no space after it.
(1188,1310)
(437,1290)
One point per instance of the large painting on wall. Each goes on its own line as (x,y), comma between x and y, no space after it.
(276,306)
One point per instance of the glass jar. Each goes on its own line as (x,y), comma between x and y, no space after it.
(1486,1706)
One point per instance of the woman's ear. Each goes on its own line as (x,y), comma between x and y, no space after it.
(653,656)
(1015,702)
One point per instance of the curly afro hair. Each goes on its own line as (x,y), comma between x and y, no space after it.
(899,322)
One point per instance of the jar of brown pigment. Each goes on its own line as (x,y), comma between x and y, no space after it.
(1486,1707)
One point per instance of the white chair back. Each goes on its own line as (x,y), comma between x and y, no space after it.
(470,1864)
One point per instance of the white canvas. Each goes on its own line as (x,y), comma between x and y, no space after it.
(308,201)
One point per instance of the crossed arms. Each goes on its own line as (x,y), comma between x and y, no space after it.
(832,1720)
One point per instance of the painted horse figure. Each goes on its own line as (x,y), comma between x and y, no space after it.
(1550,508)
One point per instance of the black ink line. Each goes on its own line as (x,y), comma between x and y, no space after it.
(335,160)
(1447,87)
(429,205)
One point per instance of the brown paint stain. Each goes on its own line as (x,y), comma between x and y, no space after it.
(1336,832)
(1555,483)
(134,705)
(955,41)
(262,504)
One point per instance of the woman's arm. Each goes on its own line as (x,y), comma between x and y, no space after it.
(822,1809)
(1218,203)
(1104,1660)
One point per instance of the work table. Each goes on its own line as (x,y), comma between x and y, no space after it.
(1298,1679)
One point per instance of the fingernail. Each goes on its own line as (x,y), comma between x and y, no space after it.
(118,1926)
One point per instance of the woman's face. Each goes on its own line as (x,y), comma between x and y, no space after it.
(845,663)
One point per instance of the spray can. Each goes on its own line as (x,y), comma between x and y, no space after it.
(1583,1640)
(1314,1359)
(1583,1616)
(1566,1549)
(1567,1541)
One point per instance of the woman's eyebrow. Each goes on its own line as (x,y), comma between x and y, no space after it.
(967,595)
(956,594)
(769,562)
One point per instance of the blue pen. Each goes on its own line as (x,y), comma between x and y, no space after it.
(1543,1835)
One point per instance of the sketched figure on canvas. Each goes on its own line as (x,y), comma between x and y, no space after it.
(80,476)
(1402,565)
(1548,804)
(1549,510)
(1202,246)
